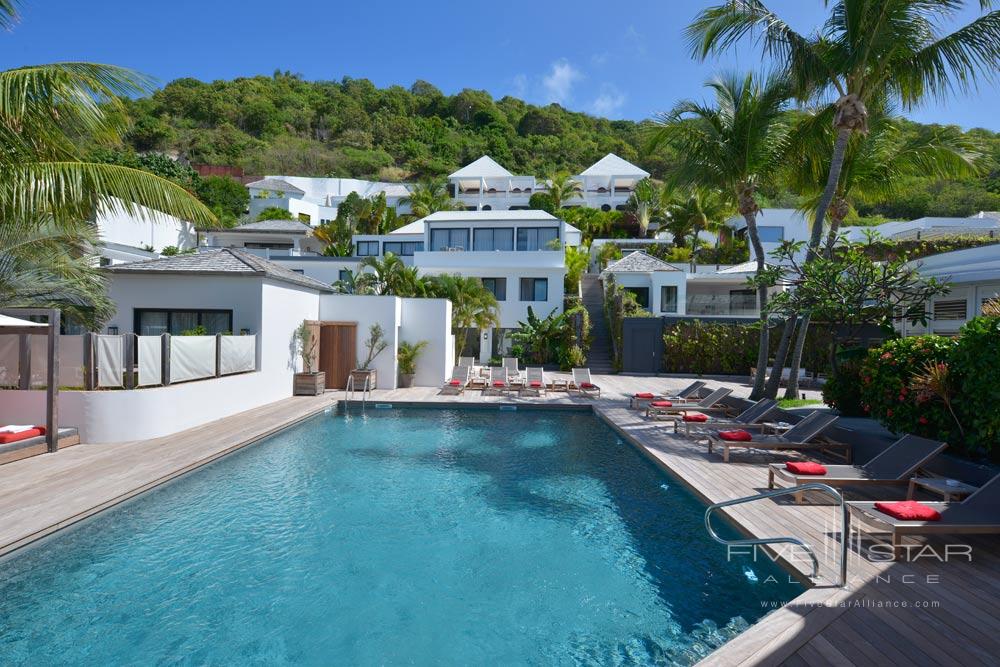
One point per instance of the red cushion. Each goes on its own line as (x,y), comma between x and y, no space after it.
(736,436)
(662,404)
(645,394)
(909,510)
(536,383)
(23,435)
(806,468)
(499,383)
(695,417)
(588,385)
(455,383)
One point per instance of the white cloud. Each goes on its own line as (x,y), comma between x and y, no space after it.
(609,101)
(558,83)
(599,59)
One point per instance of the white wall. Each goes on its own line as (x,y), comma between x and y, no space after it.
(654,280)
(326,270)
(429,320)
(366,311)
(153,228)
(284,307)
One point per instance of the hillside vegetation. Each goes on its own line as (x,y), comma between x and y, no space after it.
(351,128)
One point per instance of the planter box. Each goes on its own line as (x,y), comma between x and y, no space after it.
(361,375)
(309,384)
(406,380)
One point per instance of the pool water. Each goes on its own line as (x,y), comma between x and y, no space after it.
(399,537)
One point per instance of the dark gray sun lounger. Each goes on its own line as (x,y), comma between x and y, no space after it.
(979,513)
(684,394)
(746,419)
(800,436)
(893,466)
(710,402)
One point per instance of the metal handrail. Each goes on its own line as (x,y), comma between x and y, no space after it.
(814,486)
(350,389)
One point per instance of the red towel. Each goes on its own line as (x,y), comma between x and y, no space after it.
(455,383)
(588,385)
(909,510)
(806,468)
(23,435)
(736,436)
(536,383)
(645,394)
(662,404)
(498,383)
(695,417)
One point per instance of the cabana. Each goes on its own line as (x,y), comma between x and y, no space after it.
(11,323)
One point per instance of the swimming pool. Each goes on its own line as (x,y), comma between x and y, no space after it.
(416,536)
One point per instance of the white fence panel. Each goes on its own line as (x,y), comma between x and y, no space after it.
(70,360)
(191,358)
(150,360)
(9,352)
(109,360)
(239,354)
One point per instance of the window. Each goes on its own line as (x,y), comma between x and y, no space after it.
(443,239)
(493,239)
(536,238)
(299,271)
(534,289)
(952,309)
(403,248)
(742,299)
(366,249)
(668,299)
(498,286)
(269,246)
(641,295)
(153,322)
(770,234)
(345,275)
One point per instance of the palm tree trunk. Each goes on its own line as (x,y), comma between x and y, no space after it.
(748,209)
(792,390)
(773,382)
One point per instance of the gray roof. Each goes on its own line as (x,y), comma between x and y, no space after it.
(223,261)
(275,184)
(639,262)
(265,227)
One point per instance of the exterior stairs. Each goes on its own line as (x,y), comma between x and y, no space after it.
(599,359)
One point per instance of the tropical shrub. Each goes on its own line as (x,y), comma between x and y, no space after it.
(975,362)
(407,355)
(618,304)
(842,391)
(890,394)
(555,338)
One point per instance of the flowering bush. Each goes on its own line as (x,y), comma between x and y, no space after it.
(890,394)
(976,365)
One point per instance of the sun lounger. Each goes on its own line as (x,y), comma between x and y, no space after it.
(746,419)
(893,466)
(461,376)
(467,361)
(647,397)
(800,437)
(710,402)
(513,373)
(535,381)
(498,381)
(979,513)
(582,383)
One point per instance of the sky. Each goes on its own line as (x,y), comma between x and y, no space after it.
(619,61)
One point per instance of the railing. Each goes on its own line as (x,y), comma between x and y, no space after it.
(721,305)
(365,390)
(266,253)
(814,486)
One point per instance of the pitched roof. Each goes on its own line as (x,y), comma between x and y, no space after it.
(222,261)
(485,167)
(612,165)
(267,227)
(639,262)
(275,184)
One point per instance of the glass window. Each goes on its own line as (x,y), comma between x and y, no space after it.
(641,295)
(149,322)
(443,239)
(770,234)
(153,323)
(493,238)
(345,274)
(366,249)
(402,248)
(536,238)
(534,289)
(498,286)
(668,299)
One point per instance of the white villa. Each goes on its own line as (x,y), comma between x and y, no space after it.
(315,200)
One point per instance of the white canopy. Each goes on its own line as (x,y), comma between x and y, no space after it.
(6,321)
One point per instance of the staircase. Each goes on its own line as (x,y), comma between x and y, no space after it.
(599,359)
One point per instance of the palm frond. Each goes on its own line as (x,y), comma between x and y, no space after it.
(8,13)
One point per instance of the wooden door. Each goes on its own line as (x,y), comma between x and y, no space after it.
(337,351)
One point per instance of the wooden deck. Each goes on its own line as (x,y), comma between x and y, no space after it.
(866,623)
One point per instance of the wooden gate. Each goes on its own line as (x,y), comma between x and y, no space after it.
(337,351)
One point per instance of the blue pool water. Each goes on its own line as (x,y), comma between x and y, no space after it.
(402,537)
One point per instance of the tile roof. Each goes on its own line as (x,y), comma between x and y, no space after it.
(268,227)
(639,262)
(275,184)
(222,261)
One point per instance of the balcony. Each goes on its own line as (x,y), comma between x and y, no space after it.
(721,305)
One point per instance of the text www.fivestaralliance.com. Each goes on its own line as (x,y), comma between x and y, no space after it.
(857,604)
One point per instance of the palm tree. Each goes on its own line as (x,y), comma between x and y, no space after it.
(472,306)
(645,204)
(563,188)
(389,276)
(734,147)
(694,211)
(428,197)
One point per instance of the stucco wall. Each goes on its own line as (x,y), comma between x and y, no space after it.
(429,320)
(366,311)
(157,230)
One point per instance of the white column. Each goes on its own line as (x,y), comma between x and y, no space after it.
(485,346)
(482,187)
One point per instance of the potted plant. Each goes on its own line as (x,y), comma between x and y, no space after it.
(407,358)
(375,343)
(309,382)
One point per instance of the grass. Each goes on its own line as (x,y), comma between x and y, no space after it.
(786,403)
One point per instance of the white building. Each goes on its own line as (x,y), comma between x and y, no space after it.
(133,238)
(974,277)
(608,183)
(774,226)
(315,200)
(983,224)
(279,237)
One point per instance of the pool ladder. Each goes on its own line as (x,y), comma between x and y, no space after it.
(814,486)
(365,390)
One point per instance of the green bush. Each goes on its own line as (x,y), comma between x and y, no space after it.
(975,361)
(889,394)
(619,303)
(842,391)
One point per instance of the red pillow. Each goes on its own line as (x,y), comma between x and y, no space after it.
(645,394)
(909,510)
(536,383)
(588,385)
(23,435)
(695,417)
(736,436)
(662,404)
(499,383)
(455,383)
(806,468)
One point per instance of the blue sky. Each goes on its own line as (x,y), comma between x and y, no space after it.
(620,61)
